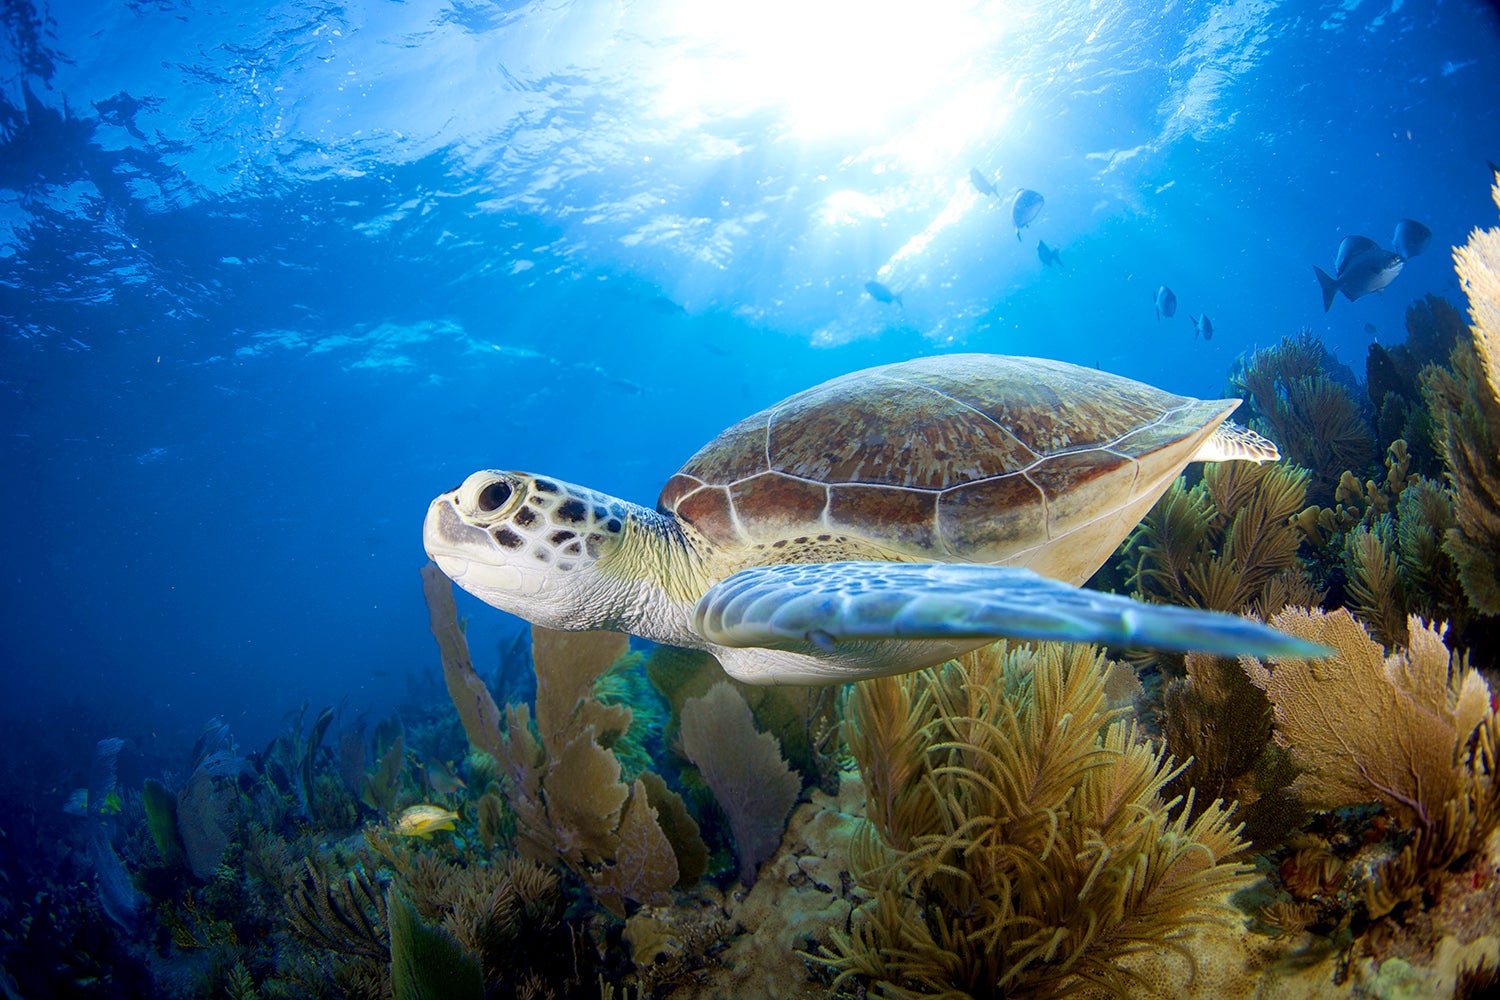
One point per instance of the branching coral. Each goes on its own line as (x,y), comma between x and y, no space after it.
(1414,731)
(1225,544)
(1048,852)
(1465,404)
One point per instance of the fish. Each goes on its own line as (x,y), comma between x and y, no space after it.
(424,820)
(440,777)
(1349,248)
(1204,326)
(1411,238)
(1365,269)
(981,183)
(1166,303)
(1048,255)
(881,293)
(1024,208)
(1371,329)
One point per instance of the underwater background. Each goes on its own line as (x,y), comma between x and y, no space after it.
(273,276)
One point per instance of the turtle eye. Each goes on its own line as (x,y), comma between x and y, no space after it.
(493,496)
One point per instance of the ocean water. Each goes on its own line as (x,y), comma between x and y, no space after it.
(273,275)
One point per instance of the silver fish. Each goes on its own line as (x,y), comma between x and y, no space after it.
(981,183)
(1411,238)
(1203,326)
(1361,273)
(1166,303)
(1024,208)
(1349,248)
(1048,255)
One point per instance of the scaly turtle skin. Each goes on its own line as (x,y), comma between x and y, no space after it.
(878,523)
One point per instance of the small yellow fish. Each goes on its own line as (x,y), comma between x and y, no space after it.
(424,820)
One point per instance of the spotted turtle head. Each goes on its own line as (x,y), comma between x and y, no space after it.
(523,543)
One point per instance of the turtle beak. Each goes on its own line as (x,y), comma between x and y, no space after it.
(449,540)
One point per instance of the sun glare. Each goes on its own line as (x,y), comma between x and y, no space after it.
(827,68)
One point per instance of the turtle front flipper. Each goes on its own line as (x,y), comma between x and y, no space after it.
(832,610)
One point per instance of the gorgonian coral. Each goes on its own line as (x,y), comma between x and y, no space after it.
(1414,731)
(1465,405)
(1299,397)
(1226,544)
(1020,842)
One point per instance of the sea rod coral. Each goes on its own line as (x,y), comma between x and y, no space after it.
(1020,843)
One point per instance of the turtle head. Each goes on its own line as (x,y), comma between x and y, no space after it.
(525,544)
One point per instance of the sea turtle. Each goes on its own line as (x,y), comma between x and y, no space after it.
(881,522)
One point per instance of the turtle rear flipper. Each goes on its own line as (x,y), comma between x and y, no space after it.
(815,607)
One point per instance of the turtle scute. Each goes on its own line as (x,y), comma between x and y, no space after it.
(955,457)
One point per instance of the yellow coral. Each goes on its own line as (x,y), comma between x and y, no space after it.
(565,786)
(1366,728)
(1224,544)
(1046,851)
(1465,405)
(1478,266)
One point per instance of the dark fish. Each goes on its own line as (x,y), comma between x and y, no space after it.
(1048,255)
(880,293)
(1166,303)
(1411,238)
(981,183)
(1349,248)
(1202,325)
(1370,329)
(1369,270)
(1026,206)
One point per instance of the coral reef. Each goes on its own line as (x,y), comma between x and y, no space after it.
(1415,732)
(476,707)
(1300,397)
(1219,725)
(1226,544)
(745,771)
(1050,854)
(566,788)
(1465,405)
(1393,378)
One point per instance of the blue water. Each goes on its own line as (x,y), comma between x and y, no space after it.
(274,275)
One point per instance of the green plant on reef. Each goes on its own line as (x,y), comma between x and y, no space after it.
(1226,544)
(379,788)
(426,963)
(161,815)
(1296,401)
(1414,732)
(1019,843)
(1465,405)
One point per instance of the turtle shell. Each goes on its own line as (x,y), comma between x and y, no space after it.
(956,458)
